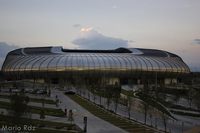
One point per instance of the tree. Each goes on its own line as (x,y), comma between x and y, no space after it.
(144,106)
(42,114)
(100,89)
(165,118)
(18,107)
(93,91)
(150,102)
(196,99)
(146,109)
(191,94)
(108,95)
(49,92)
(70,116)
(116,96)
(145,93)
(129,103)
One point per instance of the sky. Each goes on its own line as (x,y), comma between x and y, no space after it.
(171,25)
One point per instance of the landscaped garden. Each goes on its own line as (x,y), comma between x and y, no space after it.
(37,100)
(40,126)
(17,117)
(116,120)
(37,110)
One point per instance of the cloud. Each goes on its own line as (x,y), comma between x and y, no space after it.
(4,49)
(89,38)
(196,41)
(76,25)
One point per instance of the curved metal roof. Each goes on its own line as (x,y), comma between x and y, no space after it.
(56,61)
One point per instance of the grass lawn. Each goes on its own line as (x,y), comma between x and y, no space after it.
(174,106)
(37,100)
(37,110)
(41,126)
(46,101)
(40,130)
(185,113)
(112,118)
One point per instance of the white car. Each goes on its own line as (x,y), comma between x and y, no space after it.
(27,90)
(15,90)
(41,92)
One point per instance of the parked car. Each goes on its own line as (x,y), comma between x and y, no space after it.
(16,90)
(41,92)
(27,90)
(70,92)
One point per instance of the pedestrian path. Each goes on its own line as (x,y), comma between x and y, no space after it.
(130,126)
(95,124)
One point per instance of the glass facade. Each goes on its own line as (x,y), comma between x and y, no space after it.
(90,62)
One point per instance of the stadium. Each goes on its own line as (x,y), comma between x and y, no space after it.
(121,65)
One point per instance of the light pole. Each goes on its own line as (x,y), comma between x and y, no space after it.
(182,126)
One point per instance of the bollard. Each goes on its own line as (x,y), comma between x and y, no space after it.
(65,112)
(85,124)
(70,116)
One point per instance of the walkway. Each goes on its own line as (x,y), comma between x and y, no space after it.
(95,124)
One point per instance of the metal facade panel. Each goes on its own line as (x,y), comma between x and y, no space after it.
(88,63)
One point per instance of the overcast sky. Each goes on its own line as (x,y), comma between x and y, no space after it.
(171,25)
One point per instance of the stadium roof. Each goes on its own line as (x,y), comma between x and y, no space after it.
(56,61)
